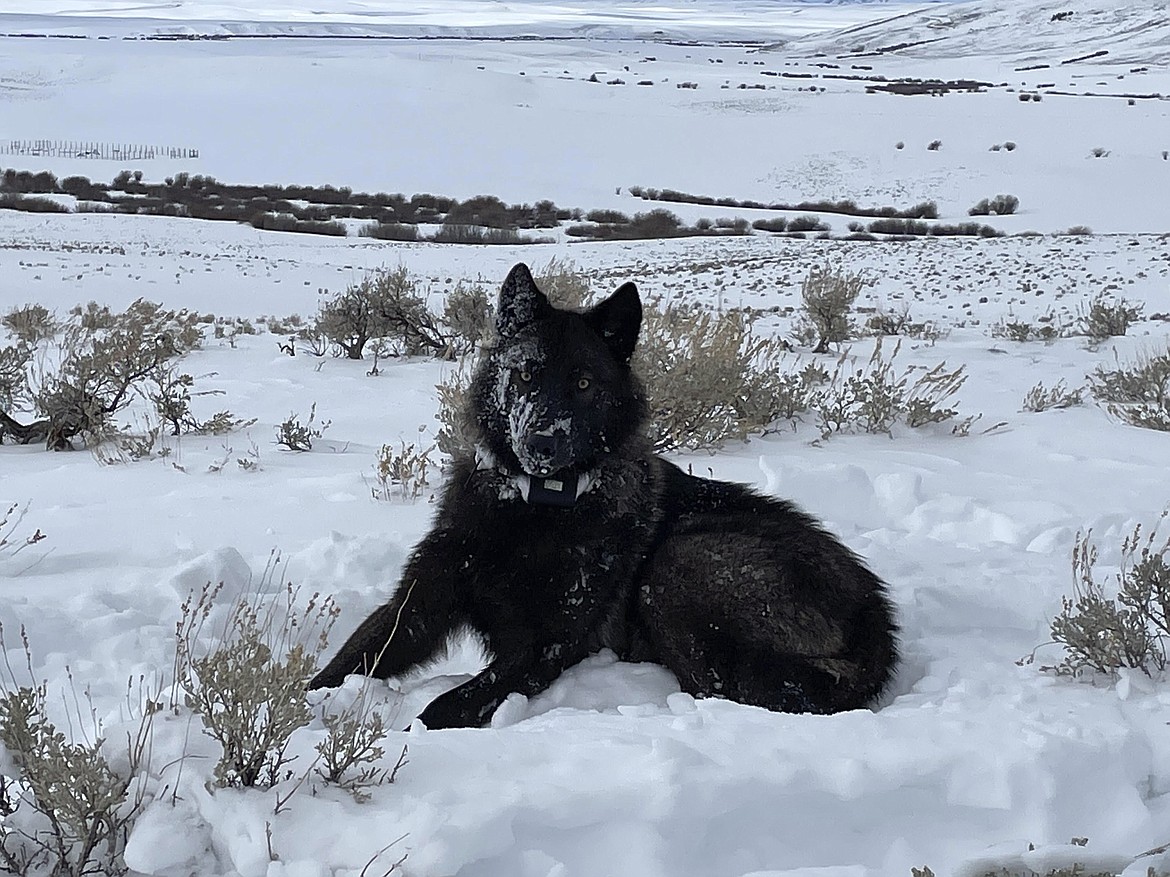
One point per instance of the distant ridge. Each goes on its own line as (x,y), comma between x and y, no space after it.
(1053,32)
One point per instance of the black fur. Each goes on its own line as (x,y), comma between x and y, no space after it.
(740,595)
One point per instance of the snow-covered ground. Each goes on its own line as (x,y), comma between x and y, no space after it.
(971,764)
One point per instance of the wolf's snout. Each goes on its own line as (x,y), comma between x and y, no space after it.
(542,448)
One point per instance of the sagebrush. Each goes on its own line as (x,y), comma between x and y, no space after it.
(1137,392)
(65,810)
(1105,625)
(243,670)
(827,295)
(873,396)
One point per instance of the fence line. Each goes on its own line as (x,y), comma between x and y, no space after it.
(107,151)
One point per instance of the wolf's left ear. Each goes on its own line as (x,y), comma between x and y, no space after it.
(617,320)
(521,302)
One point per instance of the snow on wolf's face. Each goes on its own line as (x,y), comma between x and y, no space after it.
(556,391)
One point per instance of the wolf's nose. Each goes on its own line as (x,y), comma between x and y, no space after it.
(542,447)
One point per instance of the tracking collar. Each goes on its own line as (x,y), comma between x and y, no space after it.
(562,489)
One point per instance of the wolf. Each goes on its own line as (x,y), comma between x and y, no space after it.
(564,533)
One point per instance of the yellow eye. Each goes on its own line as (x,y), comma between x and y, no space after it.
(525,375)
(583,384)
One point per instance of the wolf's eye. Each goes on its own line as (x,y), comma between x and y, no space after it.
(524,375)
(583,383)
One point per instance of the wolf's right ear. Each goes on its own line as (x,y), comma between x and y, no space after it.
(521,302)
(617,320)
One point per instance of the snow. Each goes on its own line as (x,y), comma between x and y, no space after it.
(971,763)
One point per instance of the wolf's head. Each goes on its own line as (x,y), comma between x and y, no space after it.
(555,392)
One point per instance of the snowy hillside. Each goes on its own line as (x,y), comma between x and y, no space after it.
(975,763)
(733,20)
(1048,31)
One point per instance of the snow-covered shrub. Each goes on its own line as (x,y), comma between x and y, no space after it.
(1137,393)
(297,436)
(708,378)
(104,358)
(564,283)
(807,223)
(467,313)
(14,388)
(1044,329)
(64,810)
(1000,205)
(902,324)
(30,324)
(455,437)
(1107,626)
(384,304)
(827,295)
(402,472)
(873,397)
(248,683)
(1041,398)
(170,392)
(1108,317)
(390,231)
(351,753)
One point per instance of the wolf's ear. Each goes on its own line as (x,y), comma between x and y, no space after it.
(617,320)
(521,302)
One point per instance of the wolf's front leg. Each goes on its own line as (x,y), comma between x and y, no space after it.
(472,703)
(403,633)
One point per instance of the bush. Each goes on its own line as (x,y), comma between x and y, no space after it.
(1059,396)
(248,686)
(899,227)
(1108,318)
(1019,330)
(565,285)
(384,304)
(1137,393)
(807,223)
(657,223)
(607,216)
(66,811)
(170,392)
(827,295)
(456,434)
(403,472)
(1127,624)
(31,205)
(390,231)
(467,313)
(14,386)
(286,222)
(30,324)
(1000,205)
(776,224)
(874,397)
(297,436)
(105,359)
(349,755)
(708,379)
(900,323)
(455,233)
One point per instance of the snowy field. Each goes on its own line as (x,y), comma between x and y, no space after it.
(971,764)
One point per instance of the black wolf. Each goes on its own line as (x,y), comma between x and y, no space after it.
(565,534)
